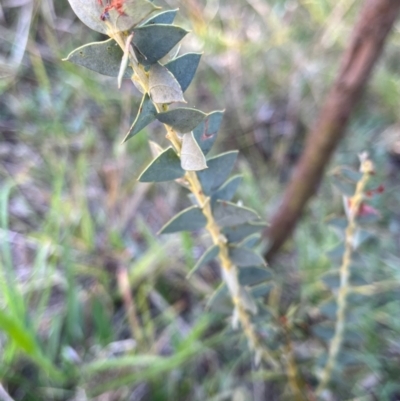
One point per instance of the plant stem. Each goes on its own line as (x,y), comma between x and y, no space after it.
(367,169)
(229,270)
(293,374)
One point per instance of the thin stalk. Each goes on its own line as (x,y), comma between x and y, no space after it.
(293,373)
(229,270)
(345,288)
(376,288)
(295,380)
(130,306)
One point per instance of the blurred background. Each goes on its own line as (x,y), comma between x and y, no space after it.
(77,229)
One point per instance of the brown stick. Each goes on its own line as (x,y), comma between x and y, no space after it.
(366,44)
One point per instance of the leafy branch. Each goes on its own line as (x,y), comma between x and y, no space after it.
(146,54)
(355,208)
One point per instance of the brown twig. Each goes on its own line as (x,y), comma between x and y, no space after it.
(375,22)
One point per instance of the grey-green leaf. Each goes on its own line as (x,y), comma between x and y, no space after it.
(228,214)
(189,219)
(192,158)
(89,13)
(146,114)
(347,359)
(244,257)
(324,331)
(237,233)
(155,41)
(338,225)
(369,218)
(248,301)
(329,309)
(102,57)
(181,119)
(350,174)
(184,67)
(261,290)
(163,86)
(227,190)
(166,17)
(219,169)
(210,254)
(166,167)
(331,279)
(134,13)
(353,336)
(344,187)
(220,301)
(251,241)
(336,253)
(360,237)
(253,275)
(206,132)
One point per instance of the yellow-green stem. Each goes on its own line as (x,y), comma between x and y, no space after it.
(340,326)
(293,373)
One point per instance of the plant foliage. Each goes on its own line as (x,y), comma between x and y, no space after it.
(144,47)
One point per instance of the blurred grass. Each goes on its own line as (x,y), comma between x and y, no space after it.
(72,215)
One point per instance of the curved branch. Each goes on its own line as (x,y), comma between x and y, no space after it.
(370,33)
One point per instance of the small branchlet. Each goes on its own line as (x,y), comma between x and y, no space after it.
(354,206)
(143,47)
